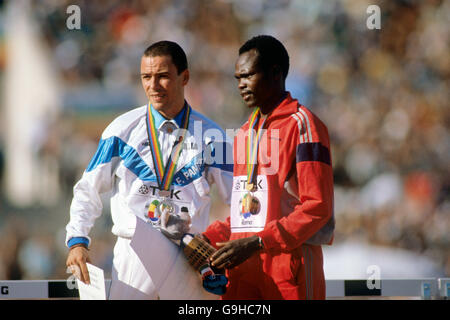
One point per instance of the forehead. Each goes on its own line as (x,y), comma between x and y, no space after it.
(248,61)
(157,64)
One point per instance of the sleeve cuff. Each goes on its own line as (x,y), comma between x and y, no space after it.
(213,238)
(78,240)
(267,239)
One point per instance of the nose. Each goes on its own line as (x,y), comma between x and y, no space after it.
(241,84)
(153,83)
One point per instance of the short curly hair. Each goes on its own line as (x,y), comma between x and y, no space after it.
(271,52)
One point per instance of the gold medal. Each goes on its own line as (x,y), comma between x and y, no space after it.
(249,205)
(250,187)
(253,205)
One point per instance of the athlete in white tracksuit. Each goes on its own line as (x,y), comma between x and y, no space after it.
(123,165)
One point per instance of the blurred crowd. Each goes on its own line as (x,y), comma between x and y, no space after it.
(382,93)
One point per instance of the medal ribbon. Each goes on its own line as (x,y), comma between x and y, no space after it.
(165,174)
(253,144)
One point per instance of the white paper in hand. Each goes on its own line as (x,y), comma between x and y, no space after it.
(96,289)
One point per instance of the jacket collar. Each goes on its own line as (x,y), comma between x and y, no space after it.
(160,119)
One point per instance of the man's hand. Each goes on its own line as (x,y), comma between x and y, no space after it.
(233,253)
(76,261)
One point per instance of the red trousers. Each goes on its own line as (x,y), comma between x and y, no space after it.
(297,275)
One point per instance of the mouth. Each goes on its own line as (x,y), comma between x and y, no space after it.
(157,96)
(246,95)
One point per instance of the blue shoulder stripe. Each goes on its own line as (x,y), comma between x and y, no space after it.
(116,147)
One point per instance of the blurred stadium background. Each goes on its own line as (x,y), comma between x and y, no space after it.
(382,93)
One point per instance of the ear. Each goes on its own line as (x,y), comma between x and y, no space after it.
(277,73)
(185,75)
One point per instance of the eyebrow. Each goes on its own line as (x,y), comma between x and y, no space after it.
(242,74)
(158,73)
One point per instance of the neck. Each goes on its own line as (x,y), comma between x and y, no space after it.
(172,112)
(273,103)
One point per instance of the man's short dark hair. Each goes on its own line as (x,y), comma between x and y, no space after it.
(271,52)
(168,48)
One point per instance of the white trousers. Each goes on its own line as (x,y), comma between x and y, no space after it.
(129,279)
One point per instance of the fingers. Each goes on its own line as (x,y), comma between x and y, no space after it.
(222,258)
(219,252)
(76,262)
(233,253)
(222,262)
(84,273)
(80,271)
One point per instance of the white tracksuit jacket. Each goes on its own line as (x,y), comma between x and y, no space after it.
(123,166)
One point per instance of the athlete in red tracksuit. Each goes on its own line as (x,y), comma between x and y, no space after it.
(280,242)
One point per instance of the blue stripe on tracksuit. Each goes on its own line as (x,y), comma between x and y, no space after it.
(116,147)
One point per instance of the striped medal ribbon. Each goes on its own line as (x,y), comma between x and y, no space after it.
(252,148)
(165,174)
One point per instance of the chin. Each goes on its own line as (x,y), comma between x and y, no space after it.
(251,105)
(157,105)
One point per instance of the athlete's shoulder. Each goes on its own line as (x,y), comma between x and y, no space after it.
(207,123)
(310,126)
(125,122)
(311,116)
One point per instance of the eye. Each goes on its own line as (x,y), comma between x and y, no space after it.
(163,76)
(243,76)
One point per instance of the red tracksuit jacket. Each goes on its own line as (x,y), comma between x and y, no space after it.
(295,215)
